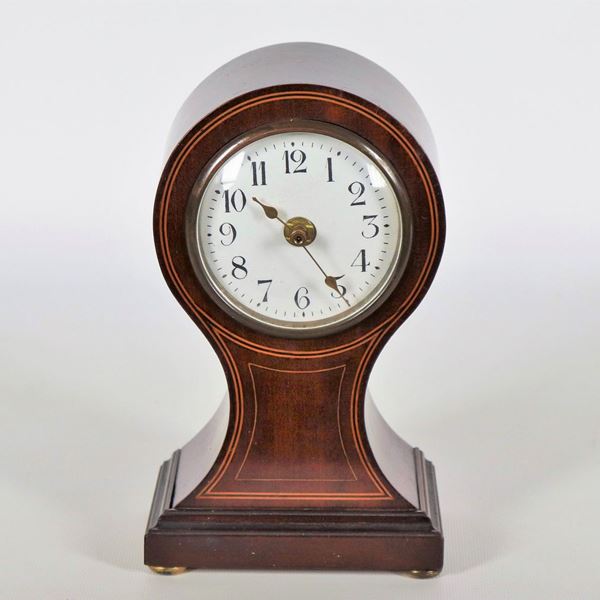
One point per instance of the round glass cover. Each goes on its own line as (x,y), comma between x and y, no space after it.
(299,232)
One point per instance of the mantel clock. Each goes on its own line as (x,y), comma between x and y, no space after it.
(298,221)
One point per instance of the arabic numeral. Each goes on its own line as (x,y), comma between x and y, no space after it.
(268,283)
(229,233)
(372,228)
(361,261)
(294,161)
(259,172)
(357,189)
(239,270)
(329,169)
(301,298)
(235,200)
(342,288)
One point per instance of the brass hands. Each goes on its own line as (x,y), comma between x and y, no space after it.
(330,281)
(301,232)
(270,211)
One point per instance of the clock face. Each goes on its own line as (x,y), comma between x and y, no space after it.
(299,232)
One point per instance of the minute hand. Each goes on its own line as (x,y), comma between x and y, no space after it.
(329,280)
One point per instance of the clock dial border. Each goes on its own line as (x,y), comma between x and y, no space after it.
(337,322)
(262,108)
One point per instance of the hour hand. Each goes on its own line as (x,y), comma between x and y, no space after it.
(270,211)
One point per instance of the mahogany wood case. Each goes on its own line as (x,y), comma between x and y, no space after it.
(297,468)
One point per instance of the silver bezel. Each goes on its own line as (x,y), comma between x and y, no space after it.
(260,321)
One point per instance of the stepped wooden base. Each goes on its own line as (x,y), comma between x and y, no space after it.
(350,539)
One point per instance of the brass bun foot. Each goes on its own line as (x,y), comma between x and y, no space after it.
(168,570)
(423,574)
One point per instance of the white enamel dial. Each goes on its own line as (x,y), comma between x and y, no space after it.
(329,183)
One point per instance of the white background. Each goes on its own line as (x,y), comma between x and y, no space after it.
(495,376)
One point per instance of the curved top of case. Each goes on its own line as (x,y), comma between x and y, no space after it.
(304,63)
